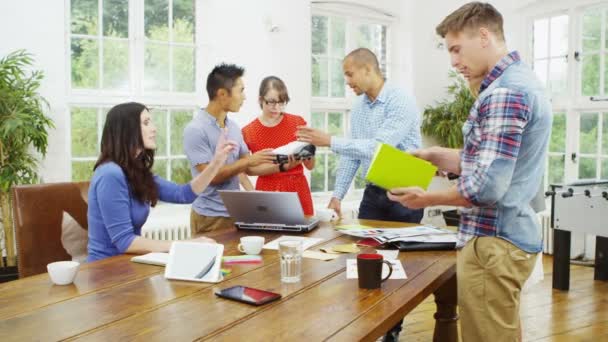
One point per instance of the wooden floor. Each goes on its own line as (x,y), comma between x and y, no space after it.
(580,314)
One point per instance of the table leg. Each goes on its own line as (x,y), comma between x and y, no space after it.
(561,259)
(446,317)
(601,258)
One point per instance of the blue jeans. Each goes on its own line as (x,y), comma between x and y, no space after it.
(375,205)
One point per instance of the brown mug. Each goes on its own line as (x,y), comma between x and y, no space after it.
(369,269)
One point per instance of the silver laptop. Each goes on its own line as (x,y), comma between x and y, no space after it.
(267,210)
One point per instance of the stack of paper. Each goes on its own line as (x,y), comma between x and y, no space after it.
(408,234)
(392,168)
(307,242)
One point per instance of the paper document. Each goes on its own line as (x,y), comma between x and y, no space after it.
(417,233)
(392,168)
(398,270)
(307,242)
(319,255)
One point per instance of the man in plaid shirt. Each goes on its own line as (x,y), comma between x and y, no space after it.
(500,168)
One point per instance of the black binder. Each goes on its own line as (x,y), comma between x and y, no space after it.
(421,246)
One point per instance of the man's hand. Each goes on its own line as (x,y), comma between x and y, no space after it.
(411,197)
(261,157)
(203,239)
(313,136)
(335,204)
(223,149)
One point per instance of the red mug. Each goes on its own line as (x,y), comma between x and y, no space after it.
(369,269)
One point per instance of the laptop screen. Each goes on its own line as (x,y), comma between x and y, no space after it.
(264,207)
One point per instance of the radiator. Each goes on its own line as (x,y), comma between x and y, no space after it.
(545,223)
(171,233)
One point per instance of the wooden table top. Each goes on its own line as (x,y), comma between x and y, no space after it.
(119,299)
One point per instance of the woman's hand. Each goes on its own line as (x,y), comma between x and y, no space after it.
(292,162)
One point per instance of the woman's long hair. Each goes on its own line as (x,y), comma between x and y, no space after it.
(122,143)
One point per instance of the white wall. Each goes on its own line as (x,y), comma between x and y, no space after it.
(228,31)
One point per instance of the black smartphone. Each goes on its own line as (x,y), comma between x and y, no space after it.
(248,295)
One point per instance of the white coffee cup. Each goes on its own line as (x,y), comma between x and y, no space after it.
(326,214)
(63,272)
(251,244)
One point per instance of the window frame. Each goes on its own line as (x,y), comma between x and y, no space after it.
(104,98)
(354,16)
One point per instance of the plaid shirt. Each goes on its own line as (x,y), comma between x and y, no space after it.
(492,141)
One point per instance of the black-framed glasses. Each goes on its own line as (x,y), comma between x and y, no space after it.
(274,103)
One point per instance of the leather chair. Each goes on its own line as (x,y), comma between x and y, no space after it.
(38,213)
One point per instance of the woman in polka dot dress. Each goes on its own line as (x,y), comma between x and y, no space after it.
(272,129)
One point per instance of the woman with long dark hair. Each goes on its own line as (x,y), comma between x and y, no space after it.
(123,187)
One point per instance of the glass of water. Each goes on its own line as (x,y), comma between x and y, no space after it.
(290,252)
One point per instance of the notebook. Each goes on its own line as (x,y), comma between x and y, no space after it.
(159,259)
(267,210)
(195,261)
(392,168)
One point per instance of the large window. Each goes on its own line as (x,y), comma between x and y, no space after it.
(569,51)
(333,36)
(125,50)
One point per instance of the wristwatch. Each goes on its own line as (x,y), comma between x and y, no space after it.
(282,167)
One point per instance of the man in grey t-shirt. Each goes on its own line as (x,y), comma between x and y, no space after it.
(226,94)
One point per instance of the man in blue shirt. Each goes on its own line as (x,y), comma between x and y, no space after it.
(382,113)
(225,88)
(500,167)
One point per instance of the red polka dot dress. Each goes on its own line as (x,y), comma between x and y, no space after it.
(258,137)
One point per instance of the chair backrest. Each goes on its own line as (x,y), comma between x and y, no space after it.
(38,213)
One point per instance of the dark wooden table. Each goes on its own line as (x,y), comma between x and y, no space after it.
(116,299)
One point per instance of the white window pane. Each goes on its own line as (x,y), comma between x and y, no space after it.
(592,28)
(590,78)
(183,21)
(559,35)
(558,133)
(319,76)
(605,134)
(587,168)
(360,180)
(115,64)
(318,120)
(540,68)
(319,35)
(84,16)
(159,117)
(82,170)
(180,171)
(541,37)
(116,18)
(156,18)
(156,67)
(558,68)
(85,63)
(556,169)
(604,169)
(317,175)
(160,167)
(332,167)
(338,37)
(335,123)
(183,69)
(84,132)
(337,78)
(588,133)
(364,37)
(179,120)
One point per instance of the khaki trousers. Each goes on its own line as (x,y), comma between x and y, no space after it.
(202,224)
(491,272)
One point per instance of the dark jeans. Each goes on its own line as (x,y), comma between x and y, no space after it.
(375,205)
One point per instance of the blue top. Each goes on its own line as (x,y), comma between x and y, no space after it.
(115,217)
(200,139)
(503,160)
(392,118)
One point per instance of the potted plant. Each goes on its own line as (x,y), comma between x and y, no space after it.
(444,123)
(23,137)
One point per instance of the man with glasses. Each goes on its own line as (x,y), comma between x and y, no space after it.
(226,94)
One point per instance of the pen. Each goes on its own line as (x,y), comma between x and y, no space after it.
(206,269)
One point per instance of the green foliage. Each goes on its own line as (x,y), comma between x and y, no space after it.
(444,121)
(23,123)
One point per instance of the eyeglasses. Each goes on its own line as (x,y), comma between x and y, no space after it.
(275,103)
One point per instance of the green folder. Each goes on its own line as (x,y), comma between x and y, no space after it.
(393,168)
